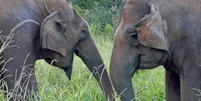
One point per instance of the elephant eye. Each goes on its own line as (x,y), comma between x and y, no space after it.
(133,39)
(59,27)
(83,34)
(84,31)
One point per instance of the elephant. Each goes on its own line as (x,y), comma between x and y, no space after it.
(44,29)
(150,33)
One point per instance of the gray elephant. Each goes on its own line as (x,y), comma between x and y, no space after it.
(44,29)
(159,32)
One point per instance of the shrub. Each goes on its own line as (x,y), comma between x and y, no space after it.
(100,14)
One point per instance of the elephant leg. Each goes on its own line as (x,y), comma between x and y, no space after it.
(20,86)
(190,84)
(172,86)
(18,74)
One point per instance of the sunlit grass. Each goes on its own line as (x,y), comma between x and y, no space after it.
(149,85)
(53,84)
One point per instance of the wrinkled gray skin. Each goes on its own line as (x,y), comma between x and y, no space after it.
(159,32)
(61,33)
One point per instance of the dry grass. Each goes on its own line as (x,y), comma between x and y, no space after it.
(13,93)
(54,85)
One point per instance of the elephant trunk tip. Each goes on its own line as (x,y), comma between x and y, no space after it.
(68,72)
(69,77)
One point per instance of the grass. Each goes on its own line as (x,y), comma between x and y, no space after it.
(149,85)
(54,85)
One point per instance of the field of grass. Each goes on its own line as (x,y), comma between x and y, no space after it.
(55,86)
(149,85)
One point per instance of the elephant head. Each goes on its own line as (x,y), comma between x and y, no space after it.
(139,43)
(63,33)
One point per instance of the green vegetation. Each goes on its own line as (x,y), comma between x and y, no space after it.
(54,84)
(149,85)
(102,17)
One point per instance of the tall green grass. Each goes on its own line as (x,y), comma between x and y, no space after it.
(54,84)
(149,85)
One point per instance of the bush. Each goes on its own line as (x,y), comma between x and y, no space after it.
(102,15)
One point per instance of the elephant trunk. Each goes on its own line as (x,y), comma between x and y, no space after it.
(121,73)
(101,75)
(90,55)
(122,83)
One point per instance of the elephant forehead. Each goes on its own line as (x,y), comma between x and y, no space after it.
(67,13)
(131,14)
(70,10)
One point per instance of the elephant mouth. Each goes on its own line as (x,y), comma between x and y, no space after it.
(50,61)
(147,65)
(77,53)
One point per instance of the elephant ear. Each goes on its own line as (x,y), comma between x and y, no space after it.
(151,32)
(51,37)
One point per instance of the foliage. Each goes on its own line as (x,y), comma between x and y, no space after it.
(100,14)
